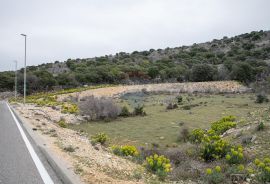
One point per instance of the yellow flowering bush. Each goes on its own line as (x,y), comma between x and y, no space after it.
(126,150)
(223,125)
(197,135)
(263,167)
(235,156)
(69,108)
(100,138)
(214,148)
(214,176)
(158,164)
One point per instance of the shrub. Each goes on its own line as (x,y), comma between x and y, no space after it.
(184,134)
(214,176)
(185,171)
(260,98)
(172,106)
(197,135)
(99,108)
(69,148)
(101,138)
(125,112)
(177,156)
(260,126)
(214,148)
(126,150)
(223,125)
(179,99)
(263,168)
(62,123)
(159,165)
(69,108)
(139,111)
(235,156)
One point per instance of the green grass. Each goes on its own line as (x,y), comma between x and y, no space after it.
(160,122)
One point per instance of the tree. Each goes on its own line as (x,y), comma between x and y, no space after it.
(242,72)
(203,72)
(153,72)
(47,80)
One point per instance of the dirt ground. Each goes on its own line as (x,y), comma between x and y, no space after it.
(94,164)
(189,87)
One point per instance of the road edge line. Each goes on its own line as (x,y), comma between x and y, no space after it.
(64,174)
(40,167)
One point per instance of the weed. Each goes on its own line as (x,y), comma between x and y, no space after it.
(261,126)
(159,165)
(139,110)
(125,112)
(126,150)
(69,148)
(100,138)
(62,123)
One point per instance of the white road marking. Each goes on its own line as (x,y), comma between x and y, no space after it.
(41,169)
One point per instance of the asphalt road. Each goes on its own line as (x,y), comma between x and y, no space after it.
(17,163)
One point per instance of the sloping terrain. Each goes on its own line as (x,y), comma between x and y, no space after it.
(243,58)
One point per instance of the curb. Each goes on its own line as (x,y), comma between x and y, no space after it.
(62,173)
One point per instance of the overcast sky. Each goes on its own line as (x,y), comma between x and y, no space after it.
(62,29)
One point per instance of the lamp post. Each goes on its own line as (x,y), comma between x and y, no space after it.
(15,80)
(24,85)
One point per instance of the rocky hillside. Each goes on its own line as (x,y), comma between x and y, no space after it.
(245,58)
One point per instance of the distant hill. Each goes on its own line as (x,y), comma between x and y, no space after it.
(245,58)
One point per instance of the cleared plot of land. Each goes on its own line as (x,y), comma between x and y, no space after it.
(188,87)
(162,126)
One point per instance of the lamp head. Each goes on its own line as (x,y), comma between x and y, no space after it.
(23,34)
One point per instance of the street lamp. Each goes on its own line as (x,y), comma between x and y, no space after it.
(24,85)
(15,82)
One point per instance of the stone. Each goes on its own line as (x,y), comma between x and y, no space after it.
(97,147)
(253,138)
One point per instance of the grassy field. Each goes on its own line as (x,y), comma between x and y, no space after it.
(162,126)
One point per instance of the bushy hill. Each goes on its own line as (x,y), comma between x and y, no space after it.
(244,58)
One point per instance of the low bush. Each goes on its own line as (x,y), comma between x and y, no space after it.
(62,123)
(260,98)
(126,150)
(197,135)
(69,148)
(214,176)
(263,170)
(101,138)
(69,108)
(235,156)
(214,148)
(159,165)
(172,106)
(184,134)
(223,125)
(261,126)
(185,171)
(177,156)
(99,108)
(179,99)
(139,111)
(125,112)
